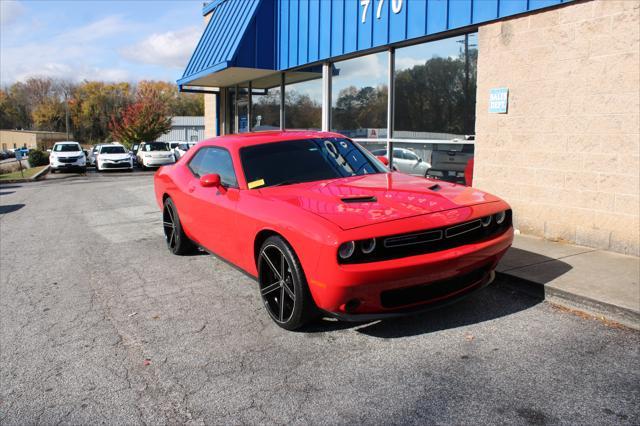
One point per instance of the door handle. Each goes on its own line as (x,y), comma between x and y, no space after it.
(191,188)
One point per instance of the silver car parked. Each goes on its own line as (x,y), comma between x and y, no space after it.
(406,161)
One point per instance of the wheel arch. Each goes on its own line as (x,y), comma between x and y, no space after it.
(260,238)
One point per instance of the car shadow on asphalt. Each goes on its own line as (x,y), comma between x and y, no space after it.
(9,186)
(7,193)
(10,208)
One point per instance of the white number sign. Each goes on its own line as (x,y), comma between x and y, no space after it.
(396,7)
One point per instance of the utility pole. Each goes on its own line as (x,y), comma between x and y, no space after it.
(66,110)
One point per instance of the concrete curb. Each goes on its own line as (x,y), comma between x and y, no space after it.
(33,178)
(41,173)
(596,308)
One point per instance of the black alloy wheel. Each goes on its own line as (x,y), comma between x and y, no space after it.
(283,286)
(177,242)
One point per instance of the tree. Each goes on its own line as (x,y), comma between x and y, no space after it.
(143,121)
(177,102)
(49,115)
(93,104)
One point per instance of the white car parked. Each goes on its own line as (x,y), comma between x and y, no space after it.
(182,149)
(154,154)
(113,156)
(67,155)
(93,153)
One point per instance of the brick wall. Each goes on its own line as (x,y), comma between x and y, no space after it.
(566,155)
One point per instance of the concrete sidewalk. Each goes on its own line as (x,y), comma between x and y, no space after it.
(598,282)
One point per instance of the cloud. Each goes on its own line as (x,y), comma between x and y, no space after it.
(403,63)
(76,54)
(169,49)
(10,11)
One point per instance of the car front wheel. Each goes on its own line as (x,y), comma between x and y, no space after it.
(177,241)
(283,285)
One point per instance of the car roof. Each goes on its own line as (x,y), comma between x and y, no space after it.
(237,141)
(66,142)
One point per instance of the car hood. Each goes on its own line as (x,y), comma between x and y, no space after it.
(115,156)
(369,199)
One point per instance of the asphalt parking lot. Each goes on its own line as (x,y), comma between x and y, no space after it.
(100,324)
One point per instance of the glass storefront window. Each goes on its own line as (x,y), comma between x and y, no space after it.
(303,99)
(266,109)
(359,96)
(435,87)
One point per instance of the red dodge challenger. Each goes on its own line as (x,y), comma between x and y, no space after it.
(324,225)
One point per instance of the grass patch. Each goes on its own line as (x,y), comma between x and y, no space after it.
(28,173)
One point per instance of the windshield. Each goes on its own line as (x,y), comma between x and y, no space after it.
(67,147)
(306,160)
(112,150)
(156,146)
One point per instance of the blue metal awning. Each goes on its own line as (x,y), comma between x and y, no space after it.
(231,33)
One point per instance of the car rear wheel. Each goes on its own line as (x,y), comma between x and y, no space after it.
(177,241)
(283,286)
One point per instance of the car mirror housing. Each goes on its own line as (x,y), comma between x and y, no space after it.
(383,160)
(211,180)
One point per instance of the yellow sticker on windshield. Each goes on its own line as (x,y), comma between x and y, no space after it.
(256,183)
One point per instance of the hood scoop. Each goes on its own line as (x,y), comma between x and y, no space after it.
(359,199)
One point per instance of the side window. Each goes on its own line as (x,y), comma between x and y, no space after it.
(410,156)
(398,153)
(214,160)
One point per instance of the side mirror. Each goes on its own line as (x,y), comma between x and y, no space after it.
(384,160)
(419,160)
(211,180)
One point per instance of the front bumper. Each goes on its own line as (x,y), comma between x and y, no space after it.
(157,162)
(387,288)
(58,165)
(487,279)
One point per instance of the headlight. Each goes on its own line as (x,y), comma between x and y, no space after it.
(500,217)
(486,221)
(346,250)
(367,246)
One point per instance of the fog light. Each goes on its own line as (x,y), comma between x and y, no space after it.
(367,246)
(486,221)
(346,250)
(500,217)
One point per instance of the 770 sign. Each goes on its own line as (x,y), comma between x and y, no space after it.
(396,7)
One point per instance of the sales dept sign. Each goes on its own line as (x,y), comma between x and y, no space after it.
(498,100)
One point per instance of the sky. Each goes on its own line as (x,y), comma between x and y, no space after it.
(110,40)
(133,40)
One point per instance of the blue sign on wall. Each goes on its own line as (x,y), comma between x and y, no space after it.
(498,100)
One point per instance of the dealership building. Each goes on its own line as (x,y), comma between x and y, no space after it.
(544,94)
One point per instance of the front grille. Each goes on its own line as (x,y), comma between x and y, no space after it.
(432,292)
(430,240)
(68,159)
(120,165)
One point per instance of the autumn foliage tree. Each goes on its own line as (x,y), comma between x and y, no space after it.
(143,121)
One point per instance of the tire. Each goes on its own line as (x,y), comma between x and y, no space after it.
(298,307)
(177,241)
(83,170)
(52,170)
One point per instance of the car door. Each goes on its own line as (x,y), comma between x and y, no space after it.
(211,212)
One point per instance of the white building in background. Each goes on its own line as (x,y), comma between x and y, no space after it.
(185,128)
